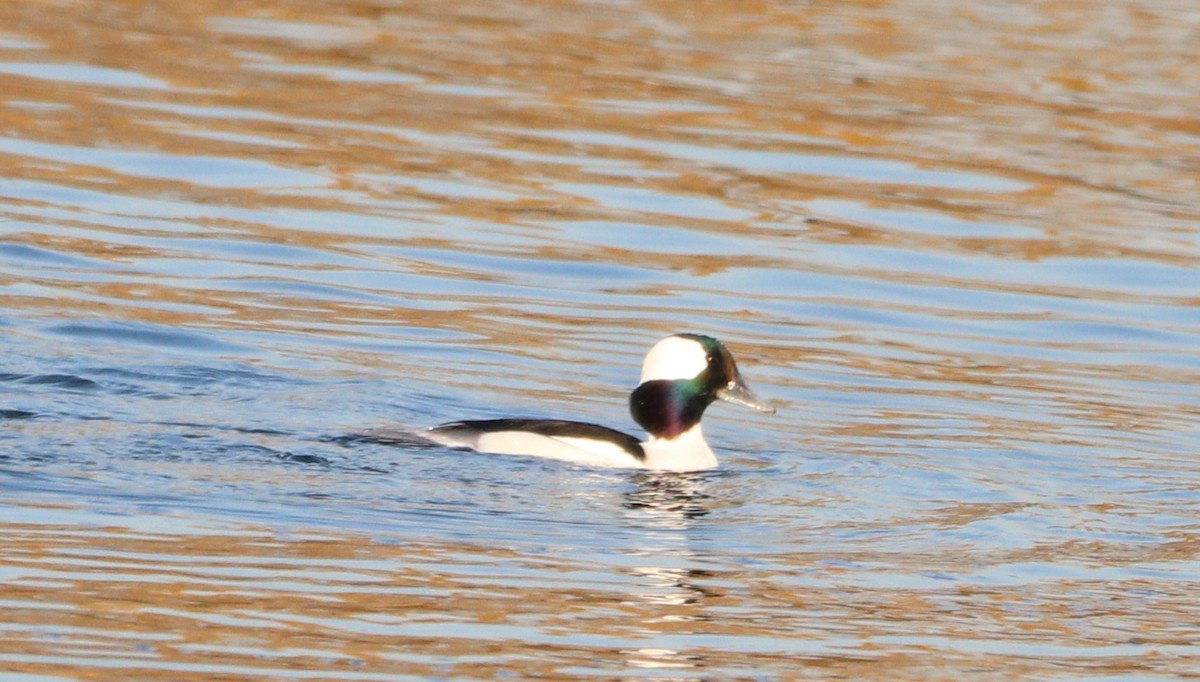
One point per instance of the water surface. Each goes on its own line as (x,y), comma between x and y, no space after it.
(956,245)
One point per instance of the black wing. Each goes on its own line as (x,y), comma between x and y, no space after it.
(544,427)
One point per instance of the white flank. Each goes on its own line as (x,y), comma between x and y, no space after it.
(688,452)
(567,449)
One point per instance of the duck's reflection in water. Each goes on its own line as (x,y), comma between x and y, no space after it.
(650,658)
(669,499)
(672,592)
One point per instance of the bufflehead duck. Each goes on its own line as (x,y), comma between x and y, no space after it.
(681,376)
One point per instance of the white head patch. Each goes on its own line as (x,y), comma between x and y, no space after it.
(674,358)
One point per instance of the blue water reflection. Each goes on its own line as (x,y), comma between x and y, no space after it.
(225,272)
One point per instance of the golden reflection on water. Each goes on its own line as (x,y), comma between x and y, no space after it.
(952,181)
(188,603)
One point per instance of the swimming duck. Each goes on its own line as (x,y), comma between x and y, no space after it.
(681,376)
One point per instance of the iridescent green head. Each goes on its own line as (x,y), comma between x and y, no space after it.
(681,376)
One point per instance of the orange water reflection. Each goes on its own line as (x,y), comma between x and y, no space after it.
(965,229)
(245,601)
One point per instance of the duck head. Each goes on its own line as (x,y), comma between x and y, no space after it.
(681,376)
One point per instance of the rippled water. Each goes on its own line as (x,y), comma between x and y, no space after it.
(956,243)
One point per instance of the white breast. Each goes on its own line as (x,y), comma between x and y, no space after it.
(686,452)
